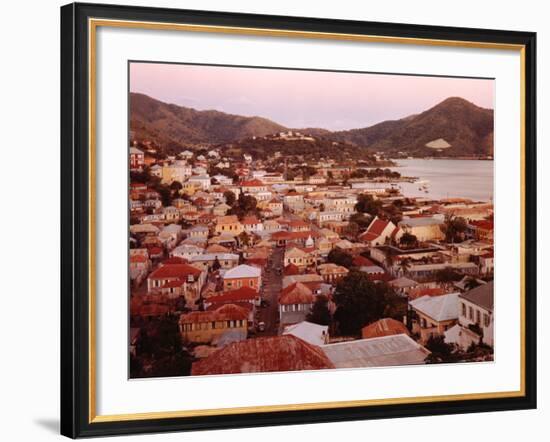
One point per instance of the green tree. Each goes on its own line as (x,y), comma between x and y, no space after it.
(447,275)
(320,313)
(360,301)
(367,204)
(165,195)
(441,352)
(176,186)
(341,258)
(245,205)
(229,197)
(351,231)
(244,239)
(454,228)
(408,239)
(216,265)
(362,220)
(404,266)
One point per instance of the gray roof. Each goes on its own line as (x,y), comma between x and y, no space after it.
(312,333)
(439,308)
(376,352)
(293,317)
(482,295)
(403,282)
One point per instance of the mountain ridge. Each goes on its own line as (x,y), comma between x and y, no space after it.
(467,127)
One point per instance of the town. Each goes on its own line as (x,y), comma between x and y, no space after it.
(241,264)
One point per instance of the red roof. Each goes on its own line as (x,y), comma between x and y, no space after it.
(291,269)
(252,183)
(244,305)
(155,250)
(378,226)
(138,258)
(174,260)
(241,294)
(261,262)
(250,220)
(266,354)
(173,283)
(418,293)
(175,271)
(296,293)
(361,261)
(383,327)
(483,224)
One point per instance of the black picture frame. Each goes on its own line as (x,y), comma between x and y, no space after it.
(75,220)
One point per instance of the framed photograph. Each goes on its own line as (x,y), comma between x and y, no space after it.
(279,220)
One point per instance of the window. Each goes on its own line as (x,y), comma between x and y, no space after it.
(478,317)
(463,309)
(471,313)
(486,320)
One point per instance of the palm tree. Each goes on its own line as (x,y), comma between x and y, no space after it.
(404,265)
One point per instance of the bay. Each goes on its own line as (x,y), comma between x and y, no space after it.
(446,178)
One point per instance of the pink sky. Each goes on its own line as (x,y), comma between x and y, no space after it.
(299,99)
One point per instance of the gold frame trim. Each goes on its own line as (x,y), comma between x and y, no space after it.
(93,24)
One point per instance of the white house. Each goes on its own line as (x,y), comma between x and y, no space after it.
(201,181)
(475,320)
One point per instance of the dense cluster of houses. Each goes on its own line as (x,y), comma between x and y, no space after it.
(195,257)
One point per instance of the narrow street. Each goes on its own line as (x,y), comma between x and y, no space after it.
(272,286)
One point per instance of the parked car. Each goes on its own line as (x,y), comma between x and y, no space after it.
(261,326)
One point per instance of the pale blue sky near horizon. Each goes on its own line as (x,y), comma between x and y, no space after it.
(300,99)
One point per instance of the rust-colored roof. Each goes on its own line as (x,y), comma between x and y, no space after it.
(175,271)
(227,312)
(483,224)
(242,304)
(383,327)
(240,294)
(228,219)
(266,354)
(417,293)
(256,261)
(378,226)
(296,293)
(252,183)
(173,283)
(216,248)
(174,260)
(138,258)
(291,269)
(361,261)
(250,220)
(368,236)
(154,250)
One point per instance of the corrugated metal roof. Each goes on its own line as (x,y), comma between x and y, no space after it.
(439,308)
(376,352)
